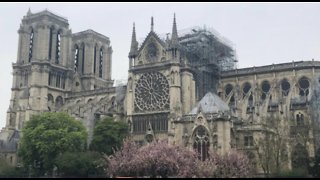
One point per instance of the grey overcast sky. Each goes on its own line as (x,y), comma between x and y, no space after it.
(262,33)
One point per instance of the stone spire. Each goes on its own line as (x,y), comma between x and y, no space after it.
(174,41)
(151,23)
(174,35)
(29,12)
(134,43)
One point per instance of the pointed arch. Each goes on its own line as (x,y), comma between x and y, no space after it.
(228,89)
(50,101)
(246,88)
(58,47)
(50,42)
(76,57)
(101,54)
(31,42)
(201,142)
(83,55)
(304,86)
(265,88)
(285,87)
(59,102)
(95,58)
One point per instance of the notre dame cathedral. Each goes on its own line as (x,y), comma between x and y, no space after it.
(183,87)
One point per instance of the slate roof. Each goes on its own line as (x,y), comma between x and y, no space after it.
(210,103)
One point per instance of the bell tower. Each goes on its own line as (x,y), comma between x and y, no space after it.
(42,70)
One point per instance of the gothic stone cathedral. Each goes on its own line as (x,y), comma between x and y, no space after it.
(184,88)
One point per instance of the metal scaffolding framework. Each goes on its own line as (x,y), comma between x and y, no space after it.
(207,53)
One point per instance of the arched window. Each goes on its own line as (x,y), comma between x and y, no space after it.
(58,80)
(50,101)
(58,47)
(50,98)
(83,54)
(31,45)
(95,59)
(228,89)
(265,87)
(201,142)
(50,43)
(300,119)
(63,79)
(76,58)
(285,87)
(59,102)
(25,74)
(50,79)
(304,86)
(246,88)
(100,63)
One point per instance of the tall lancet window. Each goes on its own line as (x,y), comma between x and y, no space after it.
(31,45)
(95,59)
(58,47)
(201,142)
(100,63)
(50,43)
(82,60)
(83,54)
(76,58)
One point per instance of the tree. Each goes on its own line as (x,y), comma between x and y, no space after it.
(162,159)
(271,146)
(123,161)
(108,135)
(234,164)
(47,135)
(155,159)
(79,164)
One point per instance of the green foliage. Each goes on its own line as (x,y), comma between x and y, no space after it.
(80,164)
(8,171)
(108,135)
(47,135)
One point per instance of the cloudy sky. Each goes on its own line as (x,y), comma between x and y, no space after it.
(261,33)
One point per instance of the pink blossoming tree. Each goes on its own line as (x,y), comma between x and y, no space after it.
(160,159)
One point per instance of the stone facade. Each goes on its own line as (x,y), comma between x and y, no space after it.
(58,71)
(169,93)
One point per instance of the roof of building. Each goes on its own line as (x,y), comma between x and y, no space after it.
(210,103)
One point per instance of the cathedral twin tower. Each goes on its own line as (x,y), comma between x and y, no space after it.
(53,63)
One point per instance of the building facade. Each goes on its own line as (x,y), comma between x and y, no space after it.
(56,69)
(184,88)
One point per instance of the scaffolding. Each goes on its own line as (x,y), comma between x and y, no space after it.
(207,53)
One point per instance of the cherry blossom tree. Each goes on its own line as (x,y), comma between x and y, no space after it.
(233,164)
(155,159)
(160,159)
(123,161)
